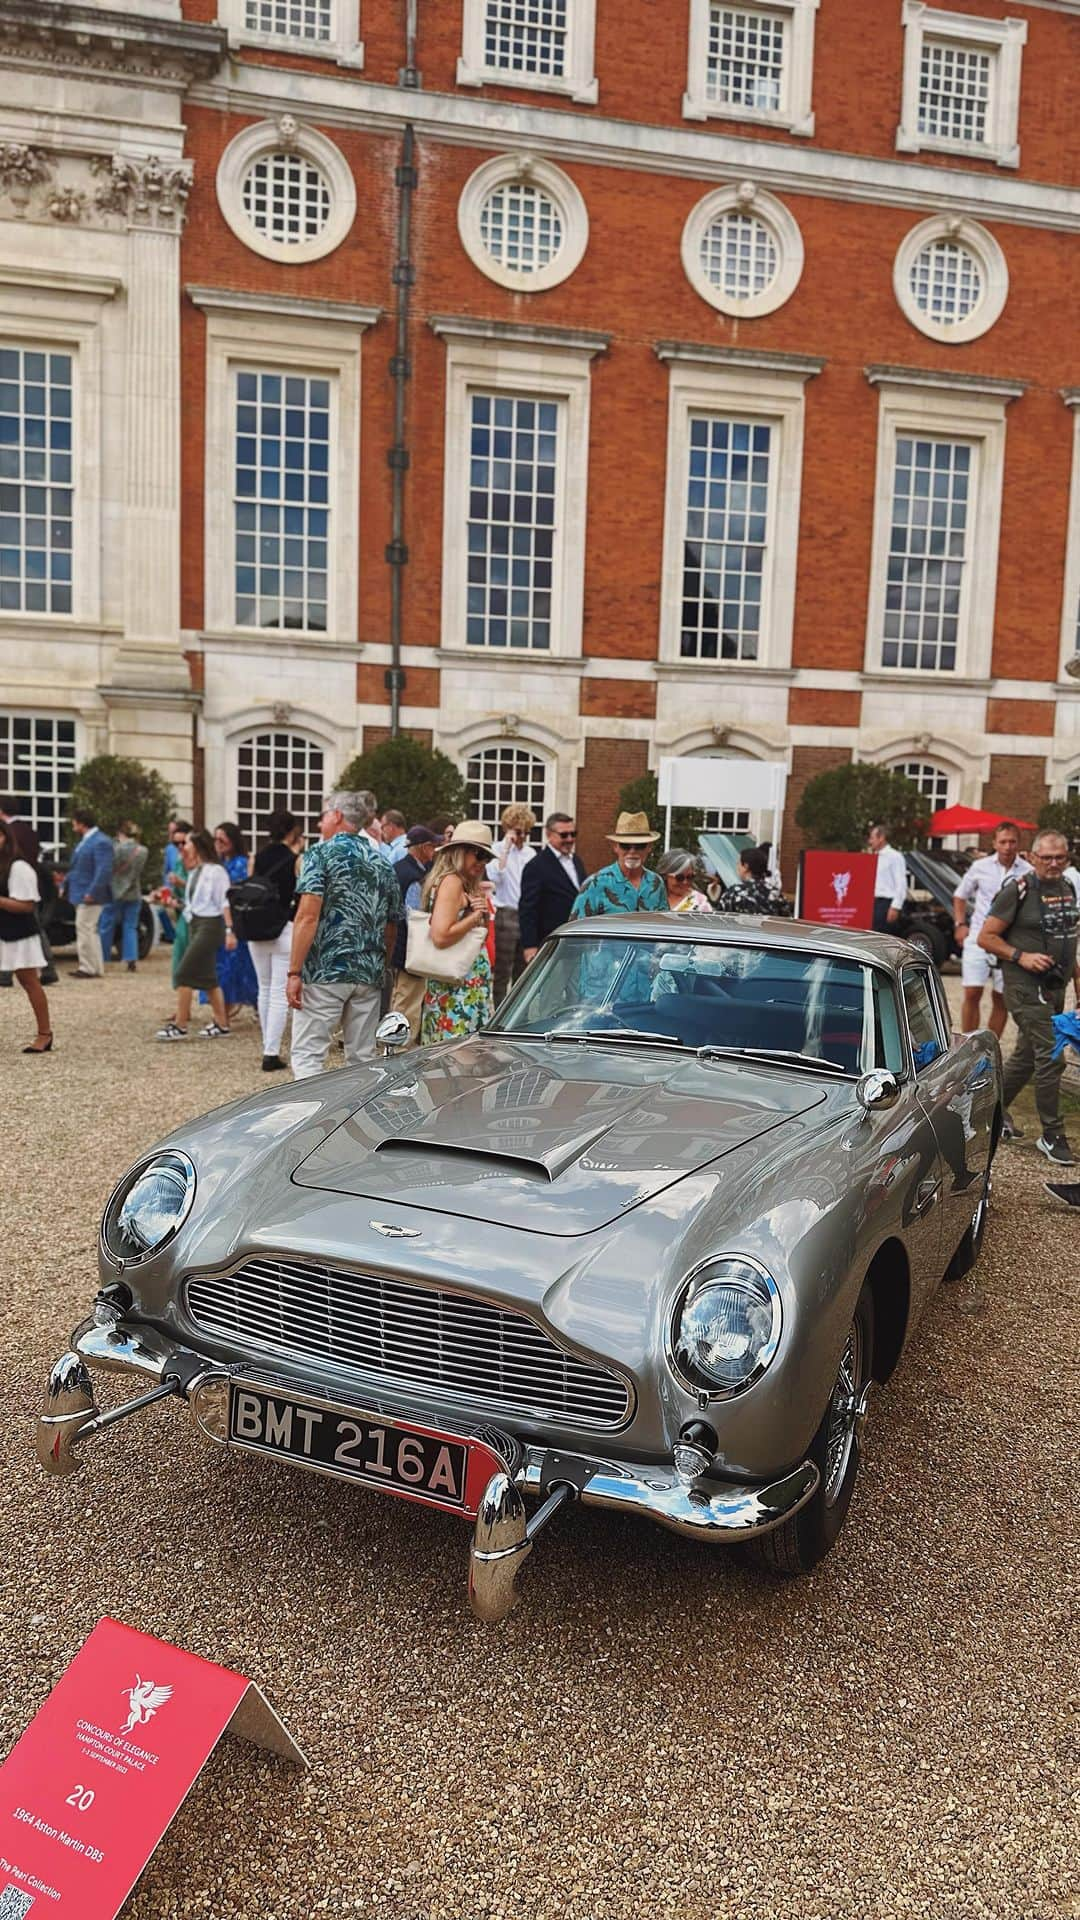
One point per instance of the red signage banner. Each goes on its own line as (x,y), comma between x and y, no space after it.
(89,1789)
(837,889)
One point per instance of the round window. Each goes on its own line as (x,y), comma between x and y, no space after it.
(742,251)
(521,227)
(523,222)
(950,279)
(286,198)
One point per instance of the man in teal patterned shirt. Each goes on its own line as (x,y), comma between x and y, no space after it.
(343,936)
(628,885)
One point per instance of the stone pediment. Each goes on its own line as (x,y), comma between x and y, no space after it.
(50,34)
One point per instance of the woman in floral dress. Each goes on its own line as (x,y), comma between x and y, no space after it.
(235,967)
(455,894)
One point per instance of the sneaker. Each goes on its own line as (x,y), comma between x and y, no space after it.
(1070,1195)
(170,1031)
(1010,1130)
(1056,1148)
(272,1063)
(214,1032)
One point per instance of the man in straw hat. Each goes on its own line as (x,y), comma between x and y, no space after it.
(628,885)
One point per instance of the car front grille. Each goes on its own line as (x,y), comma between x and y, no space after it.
(407,1336)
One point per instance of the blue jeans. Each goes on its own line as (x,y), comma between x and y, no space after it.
(124,913)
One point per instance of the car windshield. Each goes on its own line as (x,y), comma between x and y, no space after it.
(761,1000)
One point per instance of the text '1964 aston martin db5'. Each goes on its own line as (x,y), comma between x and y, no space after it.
(645,1243)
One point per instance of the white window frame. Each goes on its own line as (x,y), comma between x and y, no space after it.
(529,369)
(942,412)
(1004,40)
(1070,605)
(790,254)
(262,332)
(992,266)
(294,732)
(927,766)
(344,45)
(63,313)
(796,113)
(775,396)
(56,717)
(579,81)
(532,170)
(286,134)
(499,742)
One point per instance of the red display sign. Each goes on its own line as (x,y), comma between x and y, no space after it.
(90,1788)
(837,889)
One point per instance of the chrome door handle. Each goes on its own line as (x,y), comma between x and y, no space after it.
(925,1195)
(982,1080)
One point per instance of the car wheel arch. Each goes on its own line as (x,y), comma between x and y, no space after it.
(889,1275)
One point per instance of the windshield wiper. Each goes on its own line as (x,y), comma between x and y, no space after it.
(771,1053)
(615,1033)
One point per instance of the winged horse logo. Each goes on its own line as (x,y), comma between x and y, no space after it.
(145,1700)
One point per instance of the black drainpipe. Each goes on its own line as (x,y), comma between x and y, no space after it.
(403,276)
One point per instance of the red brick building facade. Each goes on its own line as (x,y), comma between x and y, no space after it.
(741,400)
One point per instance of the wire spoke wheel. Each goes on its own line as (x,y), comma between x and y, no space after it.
(843,1417)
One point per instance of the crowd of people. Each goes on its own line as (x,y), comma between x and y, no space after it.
(438,920)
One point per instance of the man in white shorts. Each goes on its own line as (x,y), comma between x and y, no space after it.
(983,880)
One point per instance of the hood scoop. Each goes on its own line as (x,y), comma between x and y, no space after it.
(547,1140)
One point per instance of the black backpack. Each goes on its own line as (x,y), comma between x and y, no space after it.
(256,907)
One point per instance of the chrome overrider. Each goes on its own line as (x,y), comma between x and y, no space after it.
(504,1531)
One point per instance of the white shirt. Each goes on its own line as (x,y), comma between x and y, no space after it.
(891,877)
(508,877)
(566,862)
(1072,875)
(205,893)
(983,880)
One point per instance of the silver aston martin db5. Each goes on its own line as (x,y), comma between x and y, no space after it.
(646,1243)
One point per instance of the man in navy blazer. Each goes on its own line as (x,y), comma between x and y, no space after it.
(88,884)
(550,884)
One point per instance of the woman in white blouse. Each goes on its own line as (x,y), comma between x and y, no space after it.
(206,910)
(20,946)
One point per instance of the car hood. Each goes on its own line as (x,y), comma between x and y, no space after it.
(554,1139)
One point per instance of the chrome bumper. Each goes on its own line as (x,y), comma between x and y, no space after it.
(708,1510)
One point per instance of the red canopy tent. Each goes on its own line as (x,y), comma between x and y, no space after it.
(971,820)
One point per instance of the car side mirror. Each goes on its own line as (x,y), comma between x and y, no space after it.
(392,1033)
(878,1090)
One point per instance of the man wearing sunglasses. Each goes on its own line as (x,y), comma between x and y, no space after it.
(1031,929)
(628,885)
(550,883)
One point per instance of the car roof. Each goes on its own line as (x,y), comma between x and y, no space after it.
(750,930)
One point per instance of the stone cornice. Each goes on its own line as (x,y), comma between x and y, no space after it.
(467,326)
(800,366)
(52,34)
(935,377)
(288,305)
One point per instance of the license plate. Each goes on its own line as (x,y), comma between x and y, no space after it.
(388,1454)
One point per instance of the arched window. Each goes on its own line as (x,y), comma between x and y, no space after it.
(278,769)
(932,782)
(498,775)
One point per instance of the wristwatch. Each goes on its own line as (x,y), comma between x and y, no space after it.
(1015,956)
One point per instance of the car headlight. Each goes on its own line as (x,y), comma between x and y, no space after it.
(727,1327)
(149,1207)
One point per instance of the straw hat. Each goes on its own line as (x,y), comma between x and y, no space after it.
(474,834)
(633,830)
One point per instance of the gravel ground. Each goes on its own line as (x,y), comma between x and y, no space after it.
(656,1729)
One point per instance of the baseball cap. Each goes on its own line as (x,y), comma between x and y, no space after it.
(420,836)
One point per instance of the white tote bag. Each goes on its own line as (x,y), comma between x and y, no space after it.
(430,962)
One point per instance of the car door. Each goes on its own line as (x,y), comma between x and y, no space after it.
(959,1089)
(920,1181)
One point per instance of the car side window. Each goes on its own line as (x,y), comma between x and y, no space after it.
(888,1046)
(923,1027)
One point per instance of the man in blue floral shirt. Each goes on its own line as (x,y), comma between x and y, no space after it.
(628,885)
(343,936)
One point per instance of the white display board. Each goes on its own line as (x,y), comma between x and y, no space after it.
(708,781)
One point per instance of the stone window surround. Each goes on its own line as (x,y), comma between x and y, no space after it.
(940,406)
(796,113)
(534,362)
(1005,40)
(291,135)
(1070,606)
(62,312)
(765,387)
(747,198)
(992,265)
(344,45)
(579,81)
(530,169)
(290,335)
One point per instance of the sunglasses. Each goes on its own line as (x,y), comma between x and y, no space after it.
(571,834)
(628,846)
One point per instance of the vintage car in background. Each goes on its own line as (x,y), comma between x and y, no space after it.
(645,1243)
(58,914)
(926,918)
